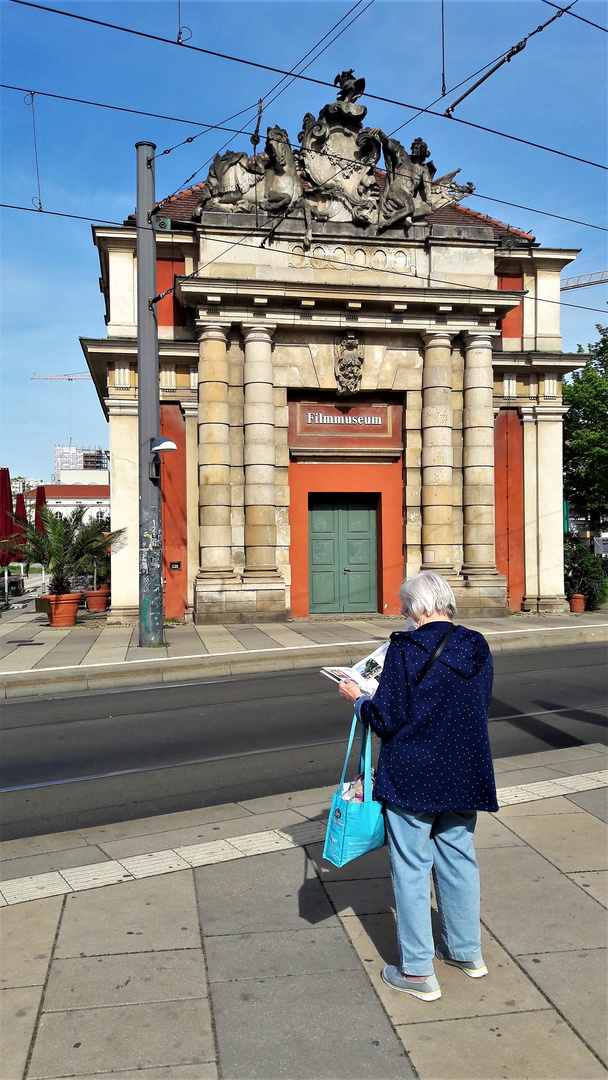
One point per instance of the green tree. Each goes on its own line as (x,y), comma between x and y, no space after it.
(586,433)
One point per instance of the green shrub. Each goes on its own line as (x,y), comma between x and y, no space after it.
(583,572)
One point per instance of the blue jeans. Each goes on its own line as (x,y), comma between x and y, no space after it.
(419,843)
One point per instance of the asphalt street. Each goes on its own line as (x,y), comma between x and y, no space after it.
(83,760)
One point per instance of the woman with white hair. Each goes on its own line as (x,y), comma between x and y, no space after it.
(434,773)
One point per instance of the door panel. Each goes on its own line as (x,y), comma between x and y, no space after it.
(342,554)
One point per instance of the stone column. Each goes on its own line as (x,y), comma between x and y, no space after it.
(214,455)
(486,589)
(549,440)
(531,584)
(259,452)
(478,456)
(263,595)
(437,454)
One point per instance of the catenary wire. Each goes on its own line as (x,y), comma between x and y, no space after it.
(242,243)
(37,202)
(513,51)
(244,131)
(124,109)
(310,79)
(273,88)
(545,213)
(250,108)
(320,42)
(575,15)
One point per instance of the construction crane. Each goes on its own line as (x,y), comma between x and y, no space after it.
(70,378)
(584,281)
(75,376)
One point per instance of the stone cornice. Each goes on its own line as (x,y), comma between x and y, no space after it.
(236,293)
(539,361)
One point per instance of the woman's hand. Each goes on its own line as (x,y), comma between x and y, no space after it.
(349,690)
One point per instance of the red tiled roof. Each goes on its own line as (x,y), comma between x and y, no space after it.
(73,491)
(180,207)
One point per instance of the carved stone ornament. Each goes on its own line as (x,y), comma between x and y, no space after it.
(347,365)
(333,176)
(237,183)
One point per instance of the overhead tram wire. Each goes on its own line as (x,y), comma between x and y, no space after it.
(310,79)
(242,243)
(272,89)
(254,106)
(244,131)
(508,57)
(31,93)
(575,15)
(124,109)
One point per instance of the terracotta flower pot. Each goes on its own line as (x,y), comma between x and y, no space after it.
(105,588)
(97,599)
(577,603)
(63,608)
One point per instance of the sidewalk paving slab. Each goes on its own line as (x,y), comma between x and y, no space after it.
(595,802)
(573,981)
(125,1036)
(571,842)
(594,882)
(538,1045)
(523,882)
(270,963)
(28,935)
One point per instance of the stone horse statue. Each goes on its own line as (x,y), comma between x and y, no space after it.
(238,184)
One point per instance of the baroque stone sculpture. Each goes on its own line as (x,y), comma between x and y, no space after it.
(333,175)
(238,183)
(347,365)
(410,190)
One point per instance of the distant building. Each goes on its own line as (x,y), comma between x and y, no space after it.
(79,457)
(63,498)
(21,484)
(84,476)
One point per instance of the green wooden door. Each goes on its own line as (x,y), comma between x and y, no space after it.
(342,554)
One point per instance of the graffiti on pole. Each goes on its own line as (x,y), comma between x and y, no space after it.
(150,573)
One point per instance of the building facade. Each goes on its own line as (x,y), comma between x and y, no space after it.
(63,498)
(79,458)
(362,378)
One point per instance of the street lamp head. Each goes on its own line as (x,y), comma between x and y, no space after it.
(162,443)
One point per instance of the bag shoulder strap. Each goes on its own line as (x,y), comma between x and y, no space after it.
(438,651)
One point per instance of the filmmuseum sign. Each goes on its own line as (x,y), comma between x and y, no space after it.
(370,426)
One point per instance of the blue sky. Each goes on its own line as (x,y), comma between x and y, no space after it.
(554,93)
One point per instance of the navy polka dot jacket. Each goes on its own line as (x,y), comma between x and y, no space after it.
(435,752)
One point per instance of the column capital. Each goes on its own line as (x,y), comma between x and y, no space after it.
(212,331)
(254,331)
(475,339)
(437,338)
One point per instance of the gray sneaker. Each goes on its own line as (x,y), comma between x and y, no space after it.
(426,991)
(475,969)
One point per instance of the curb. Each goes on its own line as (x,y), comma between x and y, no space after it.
(158,672)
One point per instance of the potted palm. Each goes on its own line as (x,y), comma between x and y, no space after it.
(65,548)
(97,598)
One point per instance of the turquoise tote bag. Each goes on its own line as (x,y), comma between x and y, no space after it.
(355,827)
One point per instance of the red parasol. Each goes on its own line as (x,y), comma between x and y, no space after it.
(6,513)
(18,528)
(40,502)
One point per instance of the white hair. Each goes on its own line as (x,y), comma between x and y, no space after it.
(427,593)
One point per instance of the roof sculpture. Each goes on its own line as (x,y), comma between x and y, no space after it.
(333,176)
